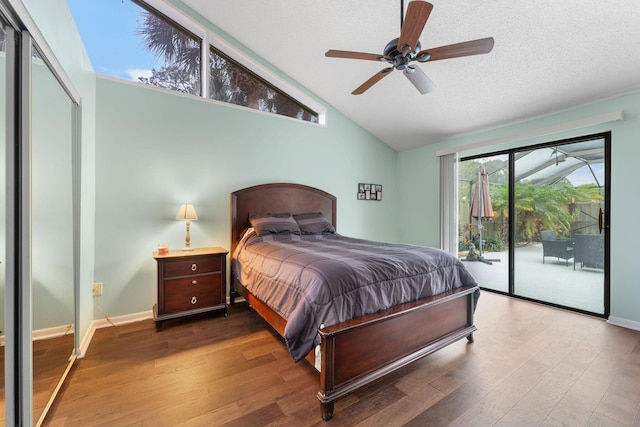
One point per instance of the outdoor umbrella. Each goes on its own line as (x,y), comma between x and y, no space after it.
(482,200)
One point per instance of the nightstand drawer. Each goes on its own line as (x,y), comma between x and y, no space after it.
(194,266)
(191,293)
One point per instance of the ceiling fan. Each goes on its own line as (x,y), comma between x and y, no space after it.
(401,52)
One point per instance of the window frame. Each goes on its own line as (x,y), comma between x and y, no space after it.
(209,38)
(180,18)
(262,80)
(195,31)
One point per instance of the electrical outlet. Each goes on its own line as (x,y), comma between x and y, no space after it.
(97,289)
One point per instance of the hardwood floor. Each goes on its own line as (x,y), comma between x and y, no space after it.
(529,365)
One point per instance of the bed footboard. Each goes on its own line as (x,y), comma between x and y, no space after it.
(358,352)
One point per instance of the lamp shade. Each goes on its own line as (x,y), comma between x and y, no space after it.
(187,212)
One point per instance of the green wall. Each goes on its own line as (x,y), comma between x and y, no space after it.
(156,150)
(418,215)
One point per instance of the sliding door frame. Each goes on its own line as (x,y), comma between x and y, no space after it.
(606,136)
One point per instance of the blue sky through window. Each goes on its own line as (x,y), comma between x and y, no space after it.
(584,175)
(109,32)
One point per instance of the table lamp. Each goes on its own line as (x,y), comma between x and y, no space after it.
(187,213)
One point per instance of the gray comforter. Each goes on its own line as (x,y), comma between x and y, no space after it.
(323,279)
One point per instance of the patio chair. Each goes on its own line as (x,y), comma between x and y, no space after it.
(552,246)
(589,251)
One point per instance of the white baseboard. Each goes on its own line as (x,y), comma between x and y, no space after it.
(113,321)
(43,334)
(619,321)
(58,331)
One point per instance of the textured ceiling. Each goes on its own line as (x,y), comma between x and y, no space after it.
(549,55)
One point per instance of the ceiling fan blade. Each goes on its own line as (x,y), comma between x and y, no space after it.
(473,47)
(417,14)
(419,79)
(355,55)
(373,80)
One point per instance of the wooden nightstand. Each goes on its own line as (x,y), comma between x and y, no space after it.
(190,283)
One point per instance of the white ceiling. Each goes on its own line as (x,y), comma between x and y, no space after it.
(549,56)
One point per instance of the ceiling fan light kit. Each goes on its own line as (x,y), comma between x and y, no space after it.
(400,52)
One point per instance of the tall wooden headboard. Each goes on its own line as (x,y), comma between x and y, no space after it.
(277,198)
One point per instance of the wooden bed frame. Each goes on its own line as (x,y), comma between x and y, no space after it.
(360,351)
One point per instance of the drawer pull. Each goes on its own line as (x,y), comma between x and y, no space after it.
(194,282)
(194,300)
(194,267)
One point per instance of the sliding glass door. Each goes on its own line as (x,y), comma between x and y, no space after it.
(483,202)
(559,201)
(541,231)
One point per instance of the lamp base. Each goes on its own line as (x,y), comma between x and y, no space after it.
(187,249)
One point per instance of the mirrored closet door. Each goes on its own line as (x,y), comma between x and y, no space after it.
(52,222)
(39,201)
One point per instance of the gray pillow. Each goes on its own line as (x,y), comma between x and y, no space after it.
(274,223)
(314,223)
